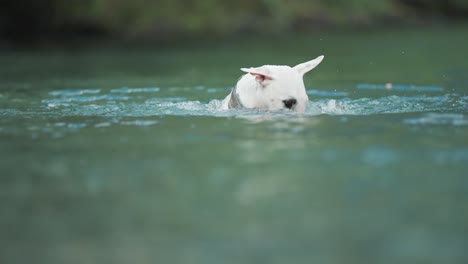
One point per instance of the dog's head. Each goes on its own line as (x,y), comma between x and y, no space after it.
(274,87)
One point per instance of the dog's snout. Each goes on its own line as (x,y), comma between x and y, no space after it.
(289,103)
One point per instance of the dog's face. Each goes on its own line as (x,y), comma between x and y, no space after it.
(274,87)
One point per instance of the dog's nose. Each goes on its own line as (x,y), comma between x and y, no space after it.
(289,103)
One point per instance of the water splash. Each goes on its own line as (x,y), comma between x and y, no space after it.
(392,105)
(125,102)
(98,108)
(71,111)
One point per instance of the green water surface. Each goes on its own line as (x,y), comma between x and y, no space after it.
(120,154)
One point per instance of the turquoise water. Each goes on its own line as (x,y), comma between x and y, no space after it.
(122,154)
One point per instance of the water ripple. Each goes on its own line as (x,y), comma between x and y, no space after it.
(438,119)
(140,123)
(124,106)
(135,90)
(327,93)
(83,99)
(399,87)
(74,92)
(122,102)
(391,105)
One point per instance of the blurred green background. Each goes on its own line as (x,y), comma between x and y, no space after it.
(27,21)
(116,153)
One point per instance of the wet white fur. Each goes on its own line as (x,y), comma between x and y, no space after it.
(285,83)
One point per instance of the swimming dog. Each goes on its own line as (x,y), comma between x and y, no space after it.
(272,87)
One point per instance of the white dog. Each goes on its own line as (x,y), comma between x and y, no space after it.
(272,87)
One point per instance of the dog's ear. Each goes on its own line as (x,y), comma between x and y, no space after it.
(305,67)
(261,74)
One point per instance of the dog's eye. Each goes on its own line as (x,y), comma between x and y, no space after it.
(290,103)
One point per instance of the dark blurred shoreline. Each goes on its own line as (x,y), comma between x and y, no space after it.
(28,24)
(80,41)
